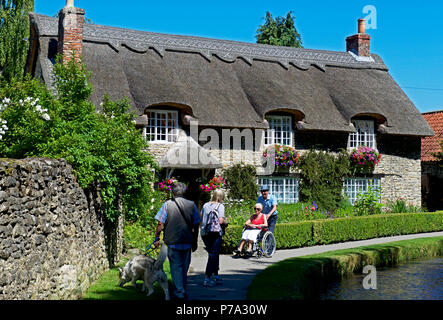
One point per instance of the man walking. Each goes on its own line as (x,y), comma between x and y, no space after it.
(179,219)
(269,203)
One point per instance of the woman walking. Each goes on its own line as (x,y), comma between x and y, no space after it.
(213,223)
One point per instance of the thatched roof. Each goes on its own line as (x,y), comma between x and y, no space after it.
(234,84)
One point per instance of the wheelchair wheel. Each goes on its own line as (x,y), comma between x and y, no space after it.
(268,244)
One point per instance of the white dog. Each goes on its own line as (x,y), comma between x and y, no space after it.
(147,269)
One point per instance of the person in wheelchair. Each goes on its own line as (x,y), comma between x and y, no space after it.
(253,227)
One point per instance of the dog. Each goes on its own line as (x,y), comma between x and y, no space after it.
(149,270)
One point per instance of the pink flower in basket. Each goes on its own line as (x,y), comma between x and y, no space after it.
(365,158)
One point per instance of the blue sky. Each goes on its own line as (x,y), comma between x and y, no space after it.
(408,37)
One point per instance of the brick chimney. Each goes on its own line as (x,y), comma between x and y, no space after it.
(359,43)
(70,31)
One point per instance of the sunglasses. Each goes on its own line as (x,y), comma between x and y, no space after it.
(257,209)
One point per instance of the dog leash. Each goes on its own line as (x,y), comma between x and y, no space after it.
(149,248)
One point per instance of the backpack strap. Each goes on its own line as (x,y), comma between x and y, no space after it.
(216,209)
(188,223)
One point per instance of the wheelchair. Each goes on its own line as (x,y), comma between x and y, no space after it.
(265,245)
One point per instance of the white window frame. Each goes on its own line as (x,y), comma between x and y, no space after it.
(152,132)
(286,182)
(354,186)
(280,122)
(364,135)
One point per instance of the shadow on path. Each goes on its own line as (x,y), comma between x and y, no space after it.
(234,286)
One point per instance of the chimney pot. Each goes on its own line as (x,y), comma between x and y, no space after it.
(361,26)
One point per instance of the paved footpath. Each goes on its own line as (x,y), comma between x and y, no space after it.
(238,273)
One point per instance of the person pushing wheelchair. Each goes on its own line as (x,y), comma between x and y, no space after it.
(269,203)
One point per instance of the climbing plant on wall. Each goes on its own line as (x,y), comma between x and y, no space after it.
(321,177)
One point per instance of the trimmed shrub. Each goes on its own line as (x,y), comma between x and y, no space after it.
(294,235)
(231,239)
(345,229)
(367,227)
(241,182)
(319,232)
(396,224)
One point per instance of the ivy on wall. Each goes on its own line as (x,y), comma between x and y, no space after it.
(321,177)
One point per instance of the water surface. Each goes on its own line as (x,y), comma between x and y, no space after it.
(414,280)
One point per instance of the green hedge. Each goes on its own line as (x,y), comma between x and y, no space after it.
(318,232)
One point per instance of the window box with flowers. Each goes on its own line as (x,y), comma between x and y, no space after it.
(286,157)
(364,159)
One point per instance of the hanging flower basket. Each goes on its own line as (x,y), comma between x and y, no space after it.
(166,185)
(285,157)
(215,183)
(364,159)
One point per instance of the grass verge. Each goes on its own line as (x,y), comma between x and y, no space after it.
(106,287)
(305,277)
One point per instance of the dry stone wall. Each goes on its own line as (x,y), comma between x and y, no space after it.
(52,241)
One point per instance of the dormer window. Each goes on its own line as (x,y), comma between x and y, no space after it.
(162,126)
(364,135)
(280,130)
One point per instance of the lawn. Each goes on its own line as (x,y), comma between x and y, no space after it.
(106,288)
(238,213)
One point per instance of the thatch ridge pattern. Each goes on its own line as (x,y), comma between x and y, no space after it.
(142,41)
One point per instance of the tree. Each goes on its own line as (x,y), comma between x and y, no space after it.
(14,30)
(279,32)
(103,145)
